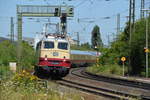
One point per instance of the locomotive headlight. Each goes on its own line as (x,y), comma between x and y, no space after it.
(64,59)
(45,57)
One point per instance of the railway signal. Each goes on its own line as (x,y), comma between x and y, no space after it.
(146,50)
(123,59)
(70,11)
(56,13)
(63,18)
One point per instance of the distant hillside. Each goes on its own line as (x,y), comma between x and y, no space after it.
(2,39)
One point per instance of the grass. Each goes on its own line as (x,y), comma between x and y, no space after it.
(5,72)
(106,69)
(25,86)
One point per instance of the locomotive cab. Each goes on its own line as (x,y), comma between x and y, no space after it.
(54,56)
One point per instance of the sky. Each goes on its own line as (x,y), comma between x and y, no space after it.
(84,10)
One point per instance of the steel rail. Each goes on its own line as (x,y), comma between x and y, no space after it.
(114,80)
(119,81)
(97,91)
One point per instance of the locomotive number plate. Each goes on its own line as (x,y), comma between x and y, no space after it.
(55,54)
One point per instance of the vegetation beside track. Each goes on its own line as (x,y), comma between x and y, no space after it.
(8,53)
(5,72)
(25,86)
(133,50)
(106,69)
(83,47)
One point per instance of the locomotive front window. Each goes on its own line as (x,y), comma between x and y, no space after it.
(63,45)
(48,45)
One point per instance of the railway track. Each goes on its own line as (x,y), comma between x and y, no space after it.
(107,92)
(131,83)
(103,91)
(114,80)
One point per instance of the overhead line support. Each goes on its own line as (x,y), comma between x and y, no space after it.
(131,24)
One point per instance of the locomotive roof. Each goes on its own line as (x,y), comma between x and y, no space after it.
(52,38)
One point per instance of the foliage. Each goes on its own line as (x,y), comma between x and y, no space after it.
(25,86)
(120,47)
(27,82)
(5,72)
(96,37)
(143,73)
(107,69)
(84,46)
(9,54)
(137,48)
(28,56)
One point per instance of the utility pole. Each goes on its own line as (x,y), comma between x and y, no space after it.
(131,18)
(108,39)
(131,23)
(130,15)
(12,30)
(142,7)
(78,39)
(133,14)
(147,43)
(149,13)
(114,38)
(146,35)
(118,23)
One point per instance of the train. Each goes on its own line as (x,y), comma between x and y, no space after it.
(83,58)
(56,58)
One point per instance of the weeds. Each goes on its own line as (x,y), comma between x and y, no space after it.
(106,69)
(5,72)
(25,86)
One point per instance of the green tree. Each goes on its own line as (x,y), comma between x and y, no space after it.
(84,46)
(96,37)
(120,47)
(28,56)
(137,48)
(8,53)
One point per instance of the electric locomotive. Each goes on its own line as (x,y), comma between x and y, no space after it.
(54,55)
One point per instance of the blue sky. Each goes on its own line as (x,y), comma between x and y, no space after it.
(94,10)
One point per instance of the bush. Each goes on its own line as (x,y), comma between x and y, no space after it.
(27,82)
(25,86)
(5,72)
(8,53)
(143,73)
(107,69)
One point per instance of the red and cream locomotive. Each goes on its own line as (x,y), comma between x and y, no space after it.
(54,55)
